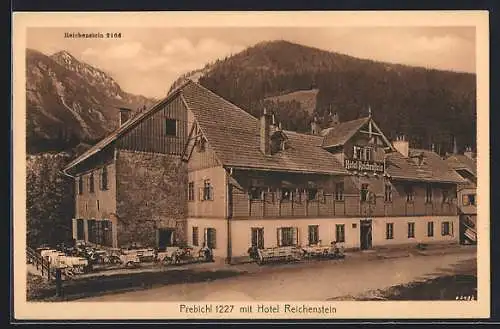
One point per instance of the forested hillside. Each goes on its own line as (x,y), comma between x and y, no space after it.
(429,106)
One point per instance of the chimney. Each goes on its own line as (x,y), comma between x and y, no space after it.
(124,116)
(274,125)
(402,145)
(455,148)
(334,119)
(315,128)
(468,152)
(265,129)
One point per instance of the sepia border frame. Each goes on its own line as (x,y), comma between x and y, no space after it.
(169,311)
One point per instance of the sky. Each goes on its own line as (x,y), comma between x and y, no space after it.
(147,61)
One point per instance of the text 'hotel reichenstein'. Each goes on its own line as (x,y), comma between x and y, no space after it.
(197,169)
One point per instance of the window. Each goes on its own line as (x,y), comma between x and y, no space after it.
(411,230)
(286,194)
(91,183)
(195,236)
(445,228)
(340,233)
(339,191)
(313,234)
(170,127)
(211,238)
(191,191)
(446,196)
(469,200)
(409,193)
(207,191)
(256,193)
(287,236)
(362,153)
(312,194)
(97,202)
(80,234)
(364,193)
(258,237)
(430,229)
(104,178)
(389,231)
(368,154)
(80,185)
(388,193)
(428,193)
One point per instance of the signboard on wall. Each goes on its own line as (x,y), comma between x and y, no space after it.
(360,165)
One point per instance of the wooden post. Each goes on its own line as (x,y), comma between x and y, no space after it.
(48,271)
(58,282)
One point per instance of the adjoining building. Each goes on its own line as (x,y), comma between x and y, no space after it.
(465,165)
(229,180)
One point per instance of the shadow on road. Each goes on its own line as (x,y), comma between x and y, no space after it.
(98,285)
(458,281)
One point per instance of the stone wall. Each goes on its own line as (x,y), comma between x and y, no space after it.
(151,194)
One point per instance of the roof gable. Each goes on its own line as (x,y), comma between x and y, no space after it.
(341,133)
(126,127)
(233,135)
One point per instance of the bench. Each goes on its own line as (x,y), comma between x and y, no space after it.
(278,254)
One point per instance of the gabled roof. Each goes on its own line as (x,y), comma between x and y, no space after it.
(127,126)
(433,168)
(340,133)
(233,134)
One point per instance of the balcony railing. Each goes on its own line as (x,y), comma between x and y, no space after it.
(328,206)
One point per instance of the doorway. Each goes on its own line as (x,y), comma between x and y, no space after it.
(166,238)
(365,230)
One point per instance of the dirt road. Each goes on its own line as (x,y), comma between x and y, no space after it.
(315,281)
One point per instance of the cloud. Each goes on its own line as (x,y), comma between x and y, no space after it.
(206,49)
(126,50)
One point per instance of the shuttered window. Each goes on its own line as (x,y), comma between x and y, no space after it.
(91,183)
(104,178)
(80,185)
(195,236)
(430,229)
(313,234)
(211,238)
(287,236)
(389,231)
(191,191)
(411,230)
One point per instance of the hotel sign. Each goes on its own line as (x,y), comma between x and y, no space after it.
(360,165)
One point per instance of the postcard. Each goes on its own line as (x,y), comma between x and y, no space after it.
(251,165)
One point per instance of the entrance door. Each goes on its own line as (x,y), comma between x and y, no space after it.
(166,237)
(365,234)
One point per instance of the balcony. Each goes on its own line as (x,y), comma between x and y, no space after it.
(327,206)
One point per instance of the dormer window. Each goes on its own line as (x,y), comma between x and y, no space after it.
(278,142)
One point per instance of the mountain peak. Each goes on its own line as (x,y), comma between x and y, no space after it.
(65,56)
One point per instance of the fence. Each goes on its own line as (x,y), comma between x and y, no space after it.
(49,272)
(40,263)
